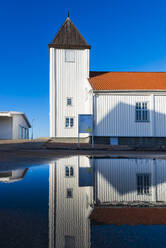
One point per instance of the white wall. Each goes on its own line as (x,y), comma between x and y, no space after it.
(116,179)
(18,120)
(68,79)
(5,128)
(70,214)
(115,115)
(160,115)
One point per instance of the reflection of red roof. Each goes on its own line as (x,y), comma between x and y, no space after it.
(128,80)
(129,216)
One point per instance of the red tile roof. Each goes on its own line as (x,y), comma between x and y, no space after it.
(128,80)
(129,216)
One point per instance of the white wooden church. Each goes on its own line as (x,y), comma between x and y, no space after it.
(126,107)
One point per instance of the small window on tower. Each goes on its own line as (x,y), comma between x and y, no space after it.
(69,122)
(69,193)
(70,56)
(69,102)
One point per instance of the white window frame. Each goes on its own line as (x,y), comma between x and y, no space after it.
(142,109)
(144,188)
(69,117)
(69,167)
(70,56)
(69,98)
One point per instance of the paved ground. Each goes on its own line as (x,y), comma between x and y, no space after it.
(48,149)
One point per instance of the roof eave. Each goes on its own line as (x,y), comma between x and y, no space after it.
(52,45)
(128,90)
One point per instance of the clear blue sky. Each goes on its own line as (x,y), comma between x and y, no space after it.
(125,35)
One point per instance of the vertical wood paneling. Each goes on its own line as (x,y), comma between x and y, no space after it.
(160,116)
(115,116)
(71,213)
(72,81)
(52,111)
(117,179)
(16,121)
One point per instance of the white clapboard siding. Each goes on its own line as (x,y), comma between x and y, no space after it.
(17,121)
(160,116)
(115,115)
(68,79)
(116,179)
(160,174)
(71,214)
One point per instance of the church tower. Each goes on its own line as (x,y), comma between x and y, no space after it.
(69,85)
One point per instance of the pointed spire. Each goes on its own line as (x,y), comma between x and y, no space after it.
(68,37)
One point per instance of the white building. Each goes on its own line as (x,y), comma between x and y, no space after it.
(14,125)
(69,203)
(127,107)
(12,176)
(129,180)
(114,181)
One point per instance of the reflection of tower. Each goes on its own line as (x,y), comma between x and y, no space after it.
(70,197)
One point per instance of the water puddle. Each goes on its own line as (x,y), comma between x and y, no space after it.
(82,201)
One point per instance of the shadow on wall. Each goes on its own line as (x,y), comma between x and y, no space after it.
(121,120)
(120,175)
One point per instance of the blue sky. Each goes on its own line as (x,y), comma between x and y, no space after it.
(125,36)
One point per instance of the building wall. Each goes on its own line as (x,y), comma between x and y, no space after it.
(116,179)
(115,115)
(18,120)
(71,214)
(5,128)
(68,79)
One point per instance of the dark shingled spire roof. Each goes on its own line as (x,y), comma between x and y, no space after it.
(68,37)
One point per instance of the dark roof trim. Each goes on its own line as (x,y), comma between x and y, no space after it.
(52,45)
(129,91)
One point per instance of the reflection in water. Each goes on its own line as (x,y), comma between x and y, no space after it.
(128,180)
(78,186)
(69,203)
(13,176)
(90,203)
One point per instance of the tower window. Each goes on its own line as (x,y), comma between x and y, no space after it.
(69,171)
(69,241)
(69,122)
(69,193)
(70,56)
(69,101)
